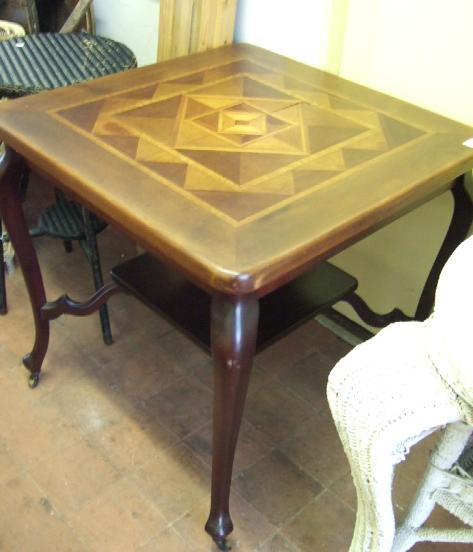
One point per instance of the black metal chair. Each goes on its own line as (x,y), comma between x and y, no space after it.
(69,59)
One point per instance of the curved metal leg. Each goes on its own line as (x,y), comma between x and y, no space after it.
(11,170)
(460,224)
(234,331)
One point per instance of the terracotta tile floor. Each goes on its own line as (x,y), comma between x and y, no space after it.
(112,451)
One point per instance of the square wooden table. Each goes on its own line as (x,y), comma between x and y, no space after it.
(239,170)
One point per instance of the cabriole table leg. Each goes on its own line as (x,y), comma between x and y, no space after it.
(460,224)
(234,325)
(11,171)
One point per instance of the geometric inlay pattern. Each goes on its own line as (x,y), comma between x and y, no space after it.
(240,138)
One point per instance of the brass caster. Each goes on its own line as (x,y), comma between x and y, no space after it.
(222,544)
(33,380)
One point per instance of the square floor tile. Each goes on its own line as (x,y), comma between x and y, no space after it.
(120,519)
(175,481)
(75,475)
(29,522)
(182,407)
(169,540)
(308,379)
(276,487)
(316,447)
(278,544)
(251,446)
(276,412)
(325,524)
(132,441)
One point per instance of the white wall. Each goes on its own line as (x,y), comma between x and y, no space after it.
(417,50)
(295,29)
(420,51)
(133,22)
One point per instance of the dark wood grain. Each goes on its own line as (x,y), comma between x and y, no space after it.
(66,305)
(234,325)
(372,318)
(187,306)
(11,170)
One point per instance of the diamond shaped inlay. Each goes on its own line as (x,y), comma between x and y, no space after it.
(239,143)
(242,119)
(241,123)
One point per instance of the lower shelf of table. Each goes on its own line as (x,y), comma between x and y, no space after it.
(188,307)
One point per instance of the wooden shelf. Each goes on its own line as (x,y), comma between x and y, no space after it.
(188,307)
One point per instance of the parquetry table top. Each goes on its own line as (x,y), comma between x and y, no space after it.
(239,165)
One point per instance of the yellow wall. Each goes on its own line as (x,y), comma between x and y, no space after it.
(296,29)
(417,50)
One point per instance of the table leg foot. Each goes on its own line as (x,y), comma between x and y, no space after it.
(222,543)
(234,325)
(33,379)
(34,360)
(218,526)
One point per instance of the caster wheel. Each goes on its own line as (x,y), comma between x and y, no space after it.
(33,377)
(33,380)
(222,544)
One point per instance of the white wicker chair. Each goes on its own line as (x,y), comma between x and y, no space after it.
(394,390)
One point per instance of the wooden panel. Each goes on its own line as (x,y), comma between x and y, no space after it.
(189,26)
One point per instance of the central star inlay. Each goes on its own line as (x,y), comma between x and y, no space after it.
(242,119)
(241,123)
